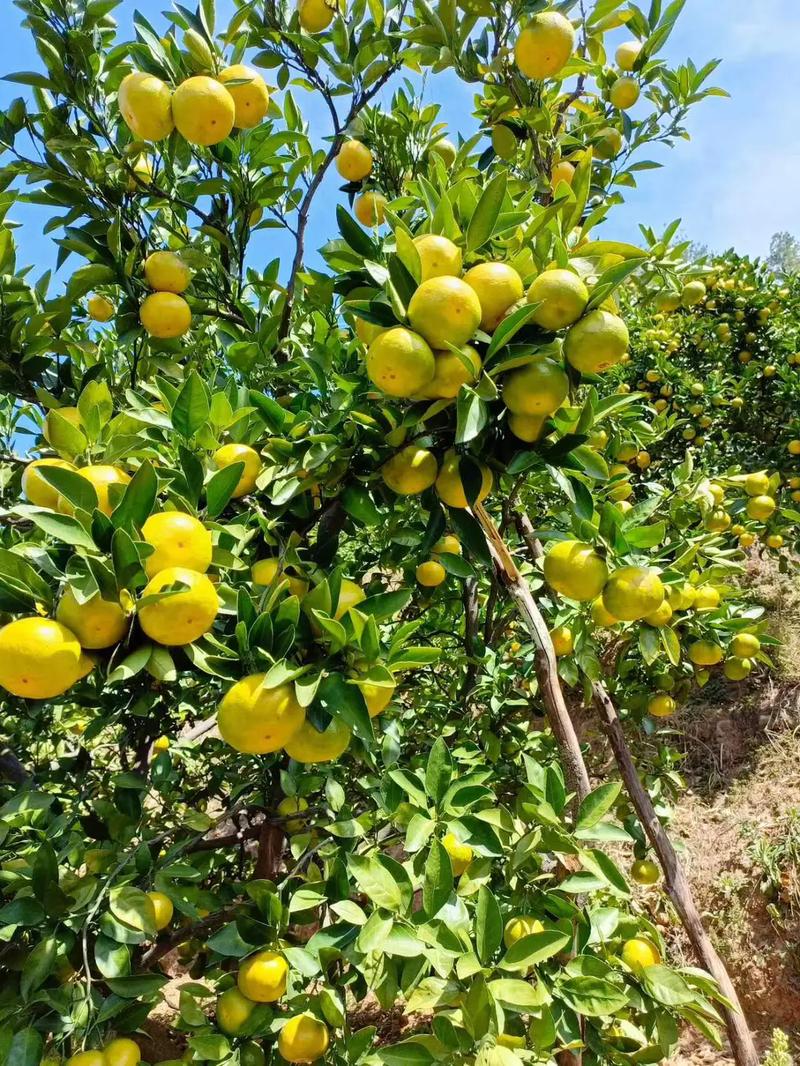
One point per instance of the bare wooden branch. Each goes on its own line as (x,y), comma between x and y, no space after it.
(545,658)
(675,881)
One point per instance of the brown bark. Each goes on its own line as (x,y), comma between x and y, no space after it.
(545,658)
(676,883)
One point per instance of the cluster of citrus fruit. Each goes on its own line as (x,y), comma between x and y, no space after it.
(433,358)
(165,314)
(119,1052)
(431,572)
(354,162)
(203,109)
(262,978)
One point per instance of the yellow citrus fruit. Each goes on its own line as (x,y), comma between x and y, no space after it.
(692,293)
(608,143)
(309,745)
(681,597)
(450,487)
(504,141)
(367,331)
(705,653)
(600,616)
(562,639)
(263,573)
(400,362)
(449,544)
(538,388)
(639,953)
(430,574)
(526,427)
(706,598)
(575,570)
(626,452)
(262,977)
(292,805)
(165,315)
(633,592)
(444,310)
(545,45)
(624,93)
(774,540)
(793,447)
(370,209)
(562,299)
(86,1058)
(446,151)
(667,301)
(521,926)
(98,623)
(645,872)
(142,174)
(627,54)
(232,1011)
(562,171)
(240,453)
(303,1039)
(643,460)
(737,669)
(451,372)
(161,743)
(162,909)
(179,540)
(497,286)
(100,308)
(377,697)
(257,720)
(40,658)
(410,471)
(317,15)
(203,110)
(38,491)
(761,508)
(596,342)
(661,706)
(460,854)
(145,103)
(354,161)
(102,477)
(350,595)
(181,617)
(718,520)
(167,272)
(756,484)
(122,1052)
(438,256)
(250,100)
(661,616)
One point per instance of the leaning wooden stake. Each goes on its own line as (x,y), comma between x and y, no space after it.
(545,658)
(675,881)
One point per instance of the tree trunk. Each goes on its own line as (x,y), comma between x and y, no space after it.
(675,882)
(545,658)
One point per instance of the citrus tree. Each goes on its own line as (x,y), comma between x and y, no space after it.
(303,568)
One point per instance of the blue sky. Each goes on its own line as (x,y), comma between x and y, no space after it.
(733,184)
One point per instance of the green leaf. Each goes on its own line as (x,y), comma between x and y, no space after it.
(438,771)
(38,966)
(192,406)
(58,526)
(510,326)
(24,581)
(488,925)
(140,496)
(95,407)
(596,804)
(112,959)
(438,880)
(26,1048)
(220,488)
(385,605)
(517,995)
(144,986)
(593,996)
(406,1053)
(23,911)
(378,879)
(359,504)
(68,483)
(353,234)
(530,950)
(666,986)
(133,907)
(345,701)
(481,225)
(472,415)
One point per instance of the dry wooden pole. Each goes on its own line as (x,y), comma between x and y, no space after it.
(544,660)
(675,882)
